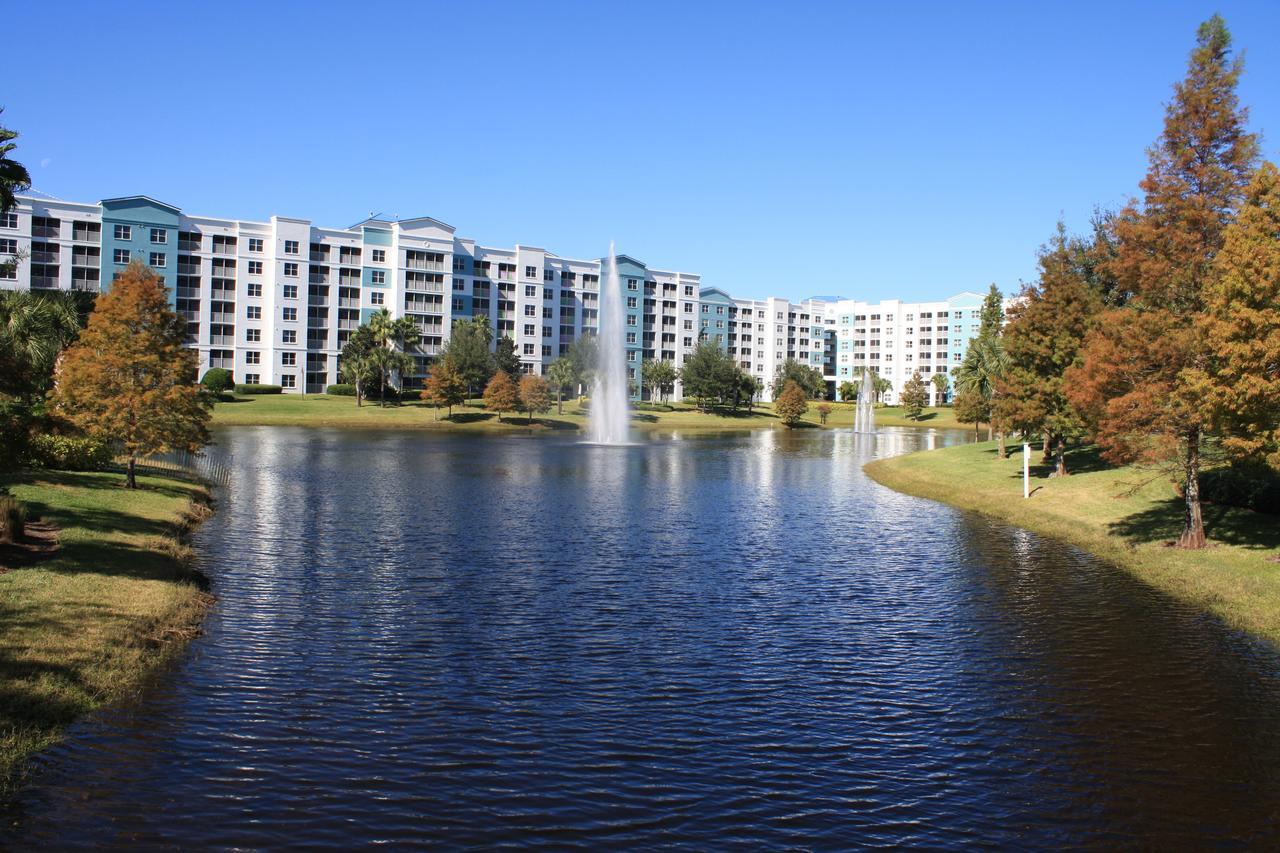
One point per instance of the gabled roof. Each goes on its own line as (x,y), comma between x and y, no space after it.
(627,259)
(145,198)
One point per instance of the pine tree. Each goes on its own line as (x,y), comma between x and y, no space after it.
(1137,379)
(1241,327)
(130,378)
(914,397)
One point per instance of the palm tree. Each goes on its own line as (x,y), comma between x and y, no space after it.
(34,330)
(560,374)
(390,333)
(984,362)
(14,177)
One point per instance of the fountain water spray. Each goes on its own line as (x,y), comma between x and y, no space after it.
(608,420)
(864,418)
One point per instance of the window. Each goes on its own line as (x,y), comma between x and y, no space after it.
(288,381)
(289,314)
(255,244)
(376,298)
(253,312)
(253,357)
(289,359)
(121,256)
(291,247)
(531,310)
(379,256)
(157,260)
(631,302)
(631,337)
(291,291)
(123,232)
(291,270)
(530,329)
(531,290)
(159,235)
(528,349)
(255,289)
(253,378)
(9,220)
(288,336)
(530,272)
(377,277)
(255,267)
(253,336)
(632,284)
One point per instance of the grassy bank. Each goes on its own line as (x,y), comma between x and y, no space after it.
(319,410)
(1124,515)
(86,624)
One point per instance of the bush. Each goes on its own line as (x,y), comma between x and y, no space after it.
(259,389)
(1251,486)
(68,452)
(15,430)
(13,519)
(217,379)
(342,390)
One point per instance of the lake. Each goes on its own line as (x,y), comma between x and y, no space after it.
(701,642)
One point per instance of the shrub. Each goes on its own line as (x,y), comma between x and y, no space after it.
(69,453)
(1251,486)
(15,429)
(342,390)
(13,519)
(217,379)
(824,411)
(259,389)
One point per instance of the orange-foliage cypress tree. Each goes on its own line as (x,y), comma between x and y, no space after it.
(1135,378)
(500,394)
(129,378)
(1241,327)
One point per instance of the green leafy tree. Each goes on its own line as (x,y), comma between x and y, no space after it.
(395,335)
(468,351)
(218,379)
(809,379)
(1141,377)
(34,330)
(848,393)
(710,376)
(970,407)
(791,404)
(985,362)
(559,375)
(914,397)
(130,378)
(880,386)
(534,395)
(356,366)
(659,376)
(500,395)
(505,357)
(584,354)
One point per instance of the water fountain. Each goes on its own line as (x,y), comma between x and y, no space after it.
(607,422)
(864,418)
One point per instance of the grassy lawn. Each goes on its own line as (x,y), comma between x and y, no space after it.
(1120,514)
(86,625)
(320,410)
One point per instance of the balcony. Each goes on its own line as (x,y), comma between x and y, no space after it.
(434,266)
(188,246)
(222,340)
(345,325)
(318,278)
(319,257)
(45,230)
(223,249)
(318,322)
(220,317)
(44,282)
(424,287)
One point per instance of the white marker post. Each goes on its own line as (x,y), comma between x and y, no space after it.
(1026,470)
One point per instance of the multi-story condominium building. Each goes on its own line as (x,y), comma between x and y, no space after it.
(761,334)
(897,339)
(275,301)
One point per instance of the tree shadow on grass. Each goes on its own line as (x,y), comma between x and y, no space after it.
(470,417)
(552,423)
(1162,522)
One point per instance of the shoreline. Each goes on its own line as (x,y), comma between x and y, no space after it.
(1125,516)
(91,623)
(320,410)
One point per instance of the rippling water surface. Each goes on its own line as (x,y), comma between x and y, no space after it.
(711,642)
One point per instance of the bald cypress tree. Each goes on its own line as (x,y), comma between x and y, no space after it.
(1136,375)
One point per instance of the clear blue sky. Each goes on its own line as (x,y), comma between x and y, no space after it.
(777,149)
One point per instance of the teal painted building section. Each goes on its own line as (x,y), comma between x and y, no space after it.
(144,229)
(714,317)
(632,274)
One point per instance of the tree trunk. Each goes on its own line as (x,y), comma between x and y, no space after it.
(1001,453)
(130,477)
(1048,449)
(1193,522)
(991,429)
(1062,456)
(382,389)
(559,401)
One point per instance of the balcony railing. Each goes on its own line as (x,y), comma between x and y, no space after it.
(222,340)
(319,257)
(44,281)
(434,266)
(44,257)
(424,286)
(45,231)
(188,269)
(219,317)
(348,325)
(318,278)
(188,246)
(348,302)
(223,249)
(85,286)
